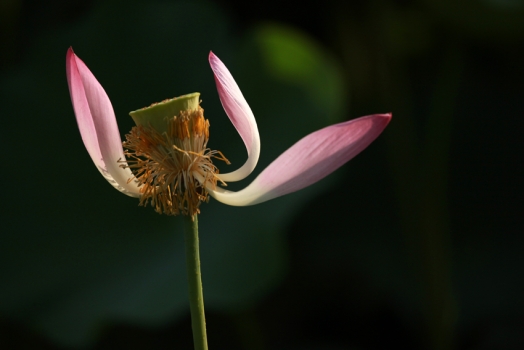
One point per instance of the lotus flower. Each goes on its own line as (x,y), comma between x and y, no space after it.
(189,167)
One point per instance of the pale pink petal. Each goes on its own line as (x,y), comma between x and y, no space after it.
(97,124)
(81,108)
(309,160)
(240,115)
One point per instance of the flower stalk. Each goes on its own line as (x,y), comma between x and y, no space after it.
(194,278)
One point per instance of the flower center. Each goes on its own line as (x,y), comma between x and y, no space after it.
(165,163)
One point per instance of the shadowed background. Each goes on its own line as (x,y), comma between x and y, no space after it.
(414,244)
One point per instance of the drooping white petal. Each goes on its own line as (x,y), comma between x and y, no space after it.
(309,160)
(97,124)
(240,115)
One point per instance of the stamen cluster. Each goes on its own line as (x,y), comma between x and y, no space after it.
(164,163)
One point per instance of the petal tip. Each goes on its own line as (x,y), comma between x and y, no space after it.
(212,57)
(383,118)
(70,52)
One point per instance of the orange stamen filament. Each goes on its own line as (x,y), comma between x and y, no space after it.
(164,163)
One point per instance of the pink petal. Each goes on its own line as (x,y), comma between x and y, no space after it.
(97,124)
(240,115)
(309,160)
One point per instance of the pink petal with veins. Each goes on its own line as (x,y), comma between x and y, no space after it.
(240,115)
(97,124)
(309,160)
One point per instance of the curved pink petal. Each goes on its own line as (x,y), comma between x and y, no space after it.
(97,124)
(240,115)
(309,160)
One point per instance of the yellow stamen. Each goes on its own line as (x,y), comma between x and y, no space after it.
(164,163)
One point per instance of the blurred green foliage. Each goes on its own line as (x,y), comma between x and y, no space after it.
(417,247)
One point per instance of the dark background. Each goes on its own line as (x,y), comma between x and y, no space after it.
(415,244)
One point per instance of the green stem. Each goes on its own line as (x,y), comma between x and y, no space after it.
(196,296)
